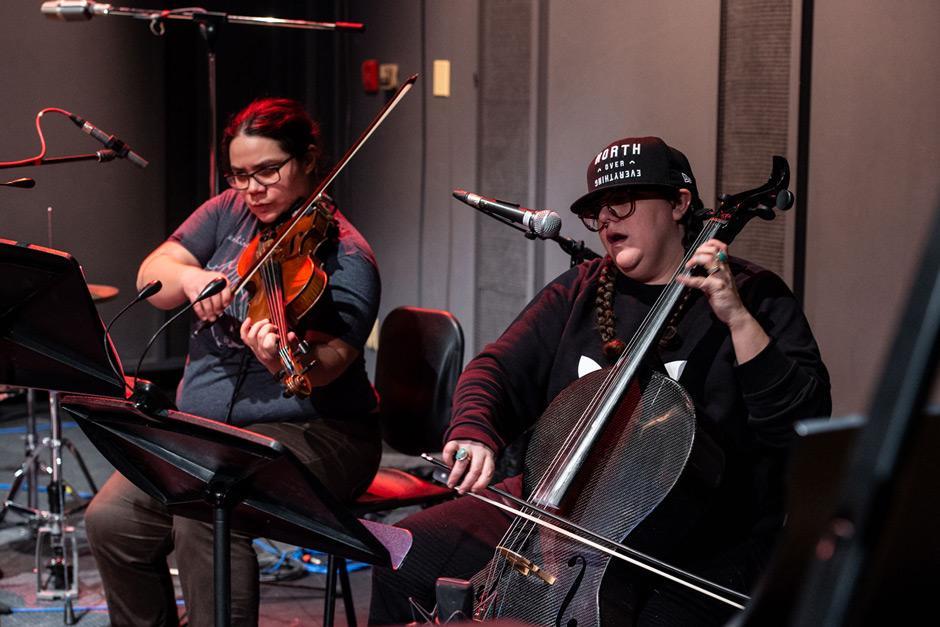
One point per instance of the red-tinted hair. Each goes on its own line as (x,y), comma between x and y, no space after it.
(282,119)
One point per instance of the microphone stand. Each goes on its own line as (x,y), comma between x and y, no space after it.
(100,156)
(210,23)
(577,250)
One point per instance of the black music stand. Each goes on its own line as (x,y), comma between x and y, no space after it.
(51,338)
(232,478)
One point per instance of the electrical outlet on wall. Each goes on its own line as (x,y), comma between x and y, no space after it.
(388,76)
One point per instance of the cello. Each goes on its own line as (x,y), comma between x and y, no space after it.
(624,431)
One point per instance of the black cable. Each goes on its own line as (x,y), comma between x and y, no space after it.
(239,381)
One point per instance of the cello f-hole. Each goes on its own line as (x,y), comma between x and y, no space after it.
(572,622)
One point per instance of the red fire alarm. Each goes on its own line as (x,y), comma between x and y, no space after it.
(370,76)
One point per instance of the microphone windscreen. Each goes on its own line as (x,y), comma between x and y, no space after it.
(214,287)
(546,224)
(149,290)
(68,10)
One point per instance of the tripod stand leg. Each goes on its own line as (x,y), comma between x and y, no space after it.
(81,464)
(69,612)
(22,473)
(346,589)
(329,600)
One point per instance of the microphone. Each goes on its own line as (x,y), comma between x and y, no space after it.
(542,224)
(74,10)
(148,290)
(148,397)
(25,183)
(110,142)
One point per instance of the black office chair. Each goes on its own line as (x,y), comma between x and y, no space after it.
(419,358)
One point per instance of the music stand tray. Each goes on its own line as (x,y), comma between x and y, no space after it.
(232,478)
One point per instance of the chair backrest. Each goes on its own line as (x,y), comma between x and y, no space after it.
(419,358)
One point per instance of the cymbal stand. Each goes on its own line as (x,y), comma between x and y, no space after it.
(56,544)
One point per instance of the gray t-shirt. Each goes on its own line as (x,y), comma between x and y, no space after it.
(220,369)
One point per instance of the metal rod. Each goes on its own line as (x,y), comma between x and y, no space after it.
(32,439)
(246,20)
(222,550)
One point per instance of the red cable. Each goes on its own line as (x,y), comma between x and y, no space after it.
(37,160)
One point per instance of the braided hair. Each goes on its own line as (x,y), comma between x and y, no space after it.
(613,347)
(692,222)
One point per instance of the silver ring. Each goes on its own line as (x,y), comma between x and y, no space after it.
(721,256)
(462,453)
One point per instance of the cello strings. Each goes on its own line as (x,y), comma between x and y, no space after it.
(519,532)
(619,555)
(651,322)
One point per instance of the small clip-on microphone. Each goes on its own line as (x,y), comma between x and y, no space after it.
(147,397)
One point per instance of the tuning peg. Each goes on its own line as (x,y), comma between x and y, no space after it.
(784,199)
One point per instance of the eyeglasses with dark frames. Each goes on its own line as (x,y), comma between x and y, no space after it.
(624,199)
(268,175)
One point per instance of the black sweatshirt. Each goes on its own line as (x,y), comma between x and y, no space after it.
(746,409)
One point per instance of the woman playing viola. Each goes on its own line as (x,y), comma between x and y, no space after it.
(271,151)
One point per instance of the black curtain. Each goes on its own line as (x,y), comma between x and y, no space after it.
(251,62)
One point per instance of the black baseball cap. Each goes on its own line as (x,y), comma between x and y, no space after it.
(637,161)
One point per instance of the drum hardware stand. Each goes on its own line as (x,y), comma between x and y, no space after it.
(56,545)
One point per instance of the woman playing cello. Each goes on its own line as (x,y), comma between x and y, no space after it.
(739,345)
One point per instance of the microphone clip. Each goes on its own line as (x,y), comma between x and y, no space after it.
(149,399)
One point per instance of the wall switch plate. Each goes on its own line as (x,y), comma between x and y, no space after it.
(441,84)
(388,76)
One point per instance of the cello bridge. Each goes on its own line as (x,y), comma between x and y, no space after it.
(524,566)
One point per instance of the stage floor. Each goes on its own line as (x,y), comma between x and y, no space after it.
(288,601)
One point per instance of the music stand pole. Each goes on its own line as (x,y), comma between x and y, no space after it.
(221,557)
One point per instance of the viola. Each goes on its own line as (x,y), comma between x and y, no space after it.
(287,283)
(280,271)
(603,456)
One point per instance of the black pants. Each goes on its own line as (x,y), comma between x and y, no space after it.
(457,539)
(131,534)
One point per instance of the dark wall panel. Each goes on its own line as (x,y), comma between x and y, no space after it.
(505,133)
(754,84)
